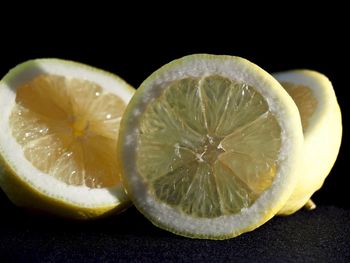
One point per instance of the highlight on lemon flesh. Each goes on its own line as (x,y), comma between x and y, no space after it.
(59,124)
(322,127)
(209,146)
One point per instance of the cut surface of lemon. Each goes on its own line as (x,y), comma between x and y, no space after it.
(59,128)
(322,127)
(209,146)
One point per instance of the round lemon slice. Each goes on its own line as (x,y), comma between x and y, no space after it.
(321,120)
(59,124)
(209,146)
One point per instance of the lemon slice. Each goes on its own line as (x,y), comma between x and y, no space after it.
(321,120)
(209,146)
(59,127)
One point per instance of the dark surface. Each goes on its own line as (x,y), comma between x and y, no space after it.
(322,235)
(318,236)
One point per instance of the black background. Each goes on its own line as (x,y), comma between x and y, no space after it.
(322,235)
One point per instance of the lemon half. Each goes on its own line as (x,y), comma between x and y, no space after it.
(59,128)
(209,146)
(322,127)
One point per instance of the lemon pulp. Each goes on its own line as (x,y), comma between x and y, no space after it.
(304,99)
(68,128)
(208,146)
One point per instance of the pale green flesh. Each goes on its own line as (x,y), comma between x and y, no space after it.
(208,146)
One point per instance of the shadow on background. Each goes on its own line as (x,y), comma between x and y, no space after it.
(129,222)
(319,235)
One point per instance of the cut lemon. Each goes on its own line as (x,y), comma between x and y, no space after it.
(59,128)
(209,146)
(321,120)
